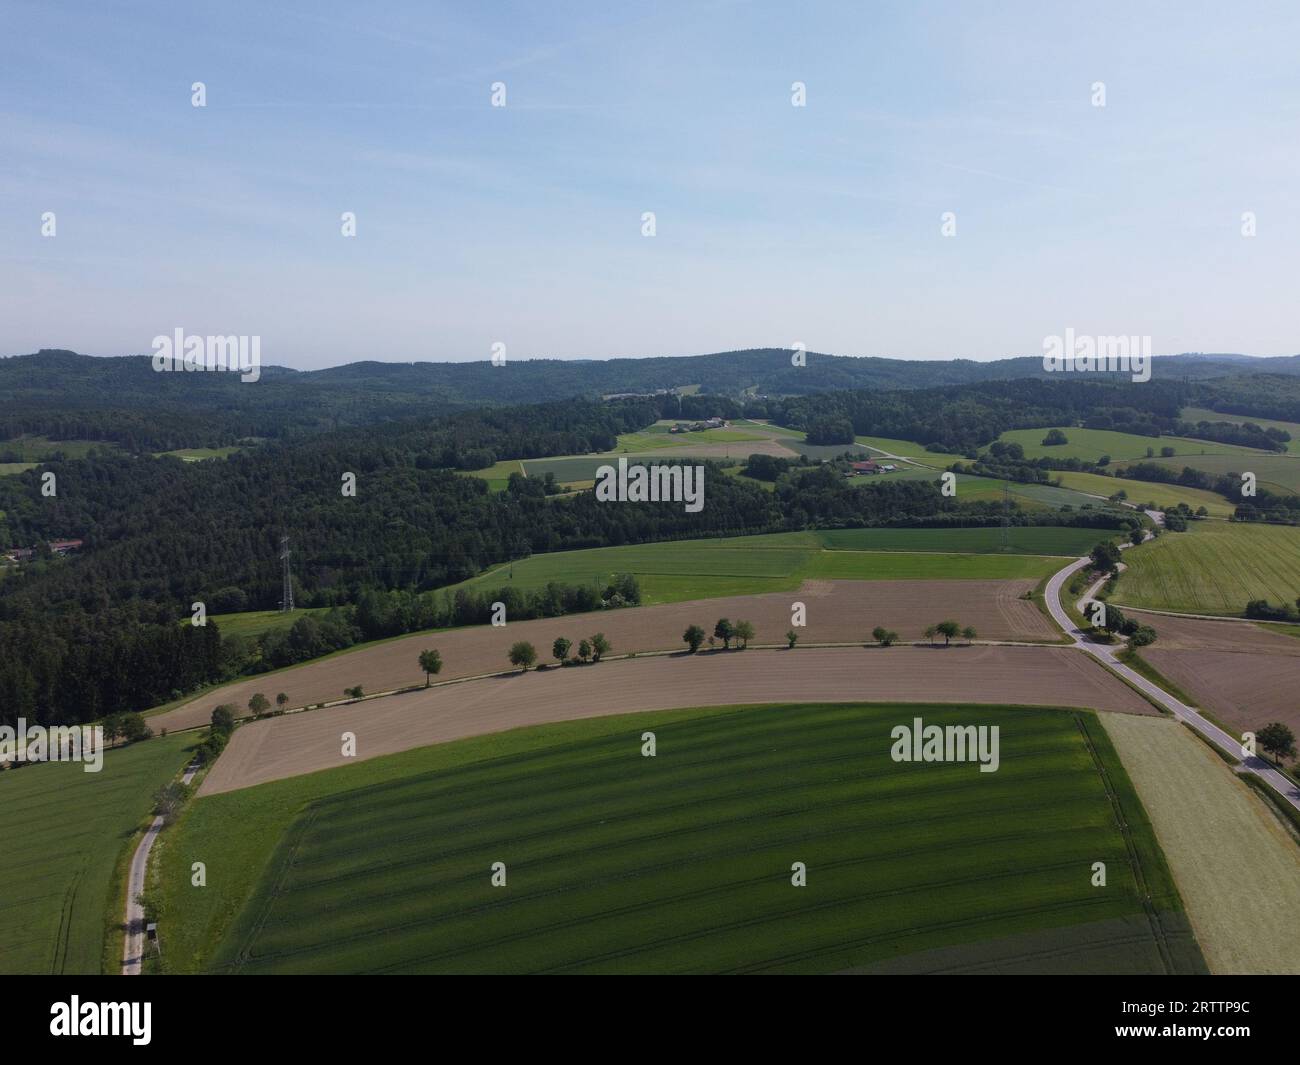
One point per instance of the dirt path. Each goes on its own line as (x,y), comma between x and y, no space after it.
(302,743)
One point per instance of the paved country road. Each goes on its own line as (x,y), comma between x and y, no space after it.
(133,947)
(1105,654)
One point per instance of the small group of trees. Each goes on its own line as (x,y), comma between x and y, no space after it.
(222,724)
(1263,610)
(949,630)
(524,655)
(883,636)
(259,704)
(726,630)
(127,727)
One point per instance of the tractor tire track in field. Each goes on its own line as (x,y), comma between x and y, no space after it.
(1134,859)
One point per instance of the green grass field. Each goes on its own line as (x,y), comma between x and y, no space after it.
(8,468)
(1213,568)
(657,437)
(745,565)
(64,831)
(198,454)
(1202,414)
(38,448)
(910,449)
(1091,444)
(1275,473)
(1164,495)
(256,622)
(682,862)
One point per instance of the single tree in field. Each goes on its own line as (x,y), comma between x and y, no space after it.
(744,632)
(880,635)
(584,650)
(599,647)
(1278,740)
(969,634)
(1054,438)
(724,631)
(947,629)
(523,654)
(431,663)
(281,700)
(354,693)
(258,703)
(694,636)
(791,637)
(560,649)
(223,718)
(930,630)
(1137,536)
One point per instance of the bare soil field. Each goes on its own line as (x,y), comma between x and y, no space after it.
(1244,690)
(837,612)
(1245,675)
(1237,869)
(1026,676)
(1195,634)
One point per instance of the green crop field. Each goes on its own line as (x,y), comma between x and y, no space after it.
(1163,495)
(683,862)
(1214,568)
(1274,472)
(64,831)
(1202,414)
(1091,444)
(680,570)
(1029,540)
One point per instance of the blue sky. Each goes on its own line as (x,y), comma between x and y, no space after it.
(522,224)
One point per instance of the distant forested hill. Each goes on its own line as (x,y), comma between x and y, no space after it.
(63,395)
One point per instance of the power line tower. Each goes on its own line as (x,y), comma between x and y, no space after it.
(286,597)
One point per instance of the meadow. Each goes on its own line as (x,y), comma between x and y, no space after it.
(1091,444)
(1214,568)
(675,571)
(1163,495)
(65,831)
(682,862)
(1275,473)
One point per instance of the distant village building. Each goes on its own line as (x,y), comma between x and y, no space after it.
(26,554)
(866,467)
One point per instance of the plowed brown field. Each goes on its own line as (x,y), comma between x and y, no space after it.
(837,612)
(1245,675)
(305,742)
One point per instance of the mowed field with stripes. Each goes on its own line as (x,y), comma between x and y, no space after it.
(681,862)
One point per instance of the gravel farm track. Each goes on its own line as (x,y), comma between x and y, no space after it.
(837,612)
(305,742)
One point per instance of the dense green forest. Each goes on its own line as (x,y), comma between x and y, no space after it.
(63,395)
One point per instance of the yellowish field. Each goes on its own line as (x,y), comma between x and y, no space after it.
(1164,495)
(1237,868)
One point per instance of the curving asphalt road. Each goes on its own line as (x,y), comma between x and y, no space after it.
(1105,654)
